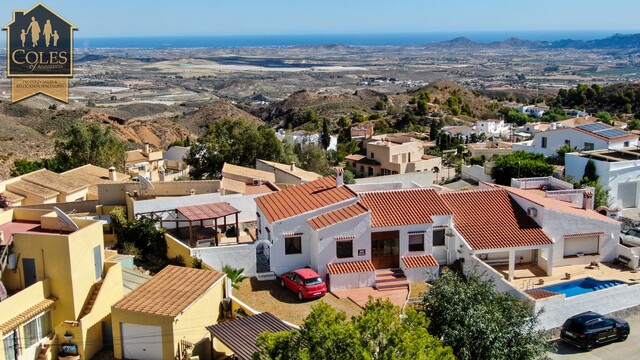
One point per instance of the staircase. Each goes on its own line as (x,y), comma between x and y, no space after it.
(391,279)
(266,276)
(92,299)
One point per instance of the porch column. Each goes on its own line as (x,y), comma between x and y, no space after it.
(237,230)
(549,268)
(512,264)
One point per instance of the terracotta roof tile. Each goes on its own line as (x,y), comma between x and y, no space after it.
(170,291)
(26,315)
(303,198)
(336,216)
(350,267)
(584,234)
(491,219)
(426,260)
(404,207)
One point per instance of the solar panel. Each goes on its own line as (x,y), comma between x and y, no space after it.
(612,133)
(594,127)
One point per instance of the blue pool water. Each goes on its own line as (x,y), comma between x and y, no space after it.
(581,286)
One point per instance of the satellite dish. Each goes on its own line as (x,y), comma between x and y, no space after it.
(146,184)
(65,220)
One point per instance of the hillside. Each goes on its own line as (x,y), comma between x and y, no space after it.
(198,121)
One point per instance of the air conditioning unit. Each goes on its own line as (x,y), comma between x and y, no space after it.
(532,212)
(257,182)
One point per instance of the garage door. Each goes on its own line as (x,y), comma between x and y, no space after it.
(627,194)
(141,342)
(580,244)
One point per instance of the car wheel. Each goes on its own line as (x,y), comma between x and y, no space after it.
(590,345)
(281,282)
(300,297)
(623,336)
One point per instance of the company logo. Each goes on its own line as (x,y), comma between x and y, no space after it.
(39,53)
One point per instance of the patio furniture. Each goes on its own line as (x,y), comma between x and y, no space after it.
(567,276)
(594,264)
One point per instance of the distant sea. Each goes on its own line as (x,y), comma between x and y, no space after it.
(331,39)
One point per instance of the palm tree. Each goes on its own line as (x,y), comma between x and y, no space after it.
(235,275)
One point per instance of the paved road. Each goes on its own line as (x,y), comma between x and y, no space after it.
(612,351)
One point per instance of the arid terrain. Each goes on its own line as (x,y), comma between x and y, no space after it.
(163,95)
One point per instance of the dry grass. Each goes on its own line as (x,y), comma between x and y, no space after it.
(417,289)
(283,303)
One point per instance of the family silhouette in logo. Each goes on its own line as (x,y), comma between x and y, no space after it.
(34,29)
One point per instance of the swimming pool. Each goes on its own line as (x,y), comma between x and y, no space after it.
(581,286)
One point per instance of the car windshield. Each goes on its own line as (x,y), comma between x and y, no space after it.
(573,326)
(313,281)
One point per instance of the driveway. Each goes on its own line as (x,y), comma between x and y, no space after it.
(611,351)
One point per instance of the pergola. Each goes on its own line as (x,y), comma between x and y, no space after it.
(202,213)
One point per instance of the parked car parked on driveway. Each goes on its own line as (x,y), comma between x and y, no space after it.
(589,329)
(306,283)
(630,237)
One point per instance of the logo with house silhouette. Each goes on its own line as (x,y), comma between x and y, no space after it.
(39,53)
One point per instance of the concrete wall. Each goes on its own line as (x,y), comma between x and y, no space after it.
(475,173)
(176,248)
(558,308)
(350,281)
(423,179)
(114,194)
(415,275)
(237,256)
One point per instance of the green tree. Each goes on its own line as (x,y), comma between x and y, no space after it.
(590,172)
(605,117)
(235,275)
(380,105)
(4,202)
(561,151)
(313,158)
(237,142)
(633,125)
(479,322)
(520,164)
(89,144)
(637,115)
(325,136)
(379,333)
(517,118)
(422,107)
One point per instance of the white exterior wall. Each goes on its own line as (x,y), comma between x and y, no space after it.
(475,173)
(415,275)
(556,138)
(610,174)
(556,225)
(324,243)
(350,281)
(279,262)
(236,256)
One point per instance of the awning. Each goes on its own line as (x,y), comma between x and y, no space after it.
(420,261)
(26,315)
(207,211)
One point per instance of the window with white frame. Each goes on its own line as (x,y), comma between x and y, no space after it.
(344,249)
(438,237)
(37,329)
(292,245)
(416,242)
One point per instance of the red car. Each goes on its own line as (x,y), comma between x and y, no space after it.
(304,282)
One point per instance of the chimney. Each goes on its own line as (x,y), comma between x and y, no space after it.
(587,200)
(161,174)
(339,177)
(147,148)
(293,166)
(113,176)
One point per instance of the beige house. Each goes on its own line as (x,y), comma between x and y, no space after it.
(144,162)
(489,149)
(168,315)
(287,174)
(93,175)
(392,155)
(43,187)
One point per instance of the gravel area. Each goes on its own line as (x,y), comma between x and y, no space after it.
(283,303)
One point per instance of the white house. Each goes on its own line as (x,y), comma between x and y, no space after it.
(618,170)
(303,138)
(596,136)
(493,127)
(534,110)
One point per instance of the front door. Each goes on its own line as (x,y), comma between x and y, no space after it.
(385,249)
(29,268)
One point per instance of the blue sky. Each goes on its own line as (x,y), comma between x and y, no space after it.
(118,18)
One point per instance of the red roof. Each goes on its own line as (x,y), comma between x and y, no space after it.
(336,216)
(303,198)
(350,267)
(426,260)
(491,219)
(404,207)
(207,211)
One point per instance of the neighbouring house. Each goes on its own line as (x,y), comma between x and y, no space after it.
(94,175)
(56,288)
(243,180)
(168,315)
(286,174)
(392,155)
(44,187)
(489,149)
(236,339)
(463,131)
(493,127)
(362,131)
(532,128)
(174,164)
(304,138)
(618,170)
(534,110)
(144,162)
(595,136)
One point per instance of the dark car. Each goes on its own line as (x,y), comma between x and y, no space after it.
(306,283)
(589,329)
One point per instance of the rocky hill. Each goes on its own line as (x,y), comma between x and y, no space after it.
(198,121)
